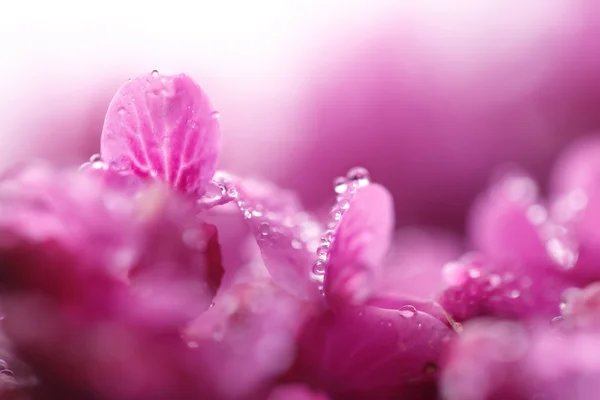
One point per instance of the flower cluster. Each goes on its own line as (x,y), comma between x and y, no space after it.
(146,274)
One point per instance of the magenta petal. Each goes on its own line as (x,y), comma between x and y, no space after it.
(364,233)
(414,265)
(576,203)
(165,127)
(373,353)
(287,235)
(497,360)
(505,222)
(247,339)
(359,243)
(478,287)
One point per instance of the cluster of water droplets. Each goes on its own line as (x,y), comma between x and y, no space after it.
(345,188)
(559,243)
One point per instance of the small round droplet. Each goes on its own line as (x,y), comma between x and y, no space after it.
(562,252)
(192,344)
(474,273)
(340,184)
(264,229)
(213,192)
(514,294)
(155,73)
(359,175)
(215,115)
(329,235)
(257,213)
(336,214)
(495,280)
(319,268)
(407,311)
(323,251)
(296,244)
(247,214)
(95,157)
(232,192)
(343,204)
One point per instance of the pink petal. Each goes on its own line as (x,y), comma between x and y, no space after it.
(505,221)
(69,309)
(247,340)
(478,287)
(164,127)
(576,203)
(414,265)
(495,360)
(179,269)
(286,235)
(361,236)
(373,353)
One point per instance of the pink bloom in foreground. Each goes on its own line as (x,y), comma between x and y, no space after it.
(147,274)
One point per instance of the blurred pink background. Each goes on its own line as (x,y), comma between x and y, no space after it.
(430,96)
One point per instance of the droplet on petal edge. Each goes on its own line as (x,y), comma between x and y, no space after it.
(163,127)
(345,189)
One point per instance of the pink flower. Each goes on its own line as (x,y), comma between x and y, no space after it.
(148,275)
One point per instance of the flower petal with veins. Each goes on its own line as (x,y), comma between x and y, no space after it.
(164,127)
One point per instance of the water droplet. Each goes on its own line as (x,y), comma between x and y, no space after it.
(474,273)
(359,175)
(514,294)
(340,184)
(264,229)
(192,344)
(319,268)
(257,213)
(495,280)
(328,235)
(247,214)
(336,214)
(98,165)
(296,244)
(562,252)
(557,320)
(537,214)
(154,73)
(215,115)
(95,157)
(214,192)
(232,192)
(407,311)
(323,251)
(343,204)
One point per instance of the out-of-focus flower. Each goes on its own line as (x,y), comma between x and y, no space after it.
(496,360)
